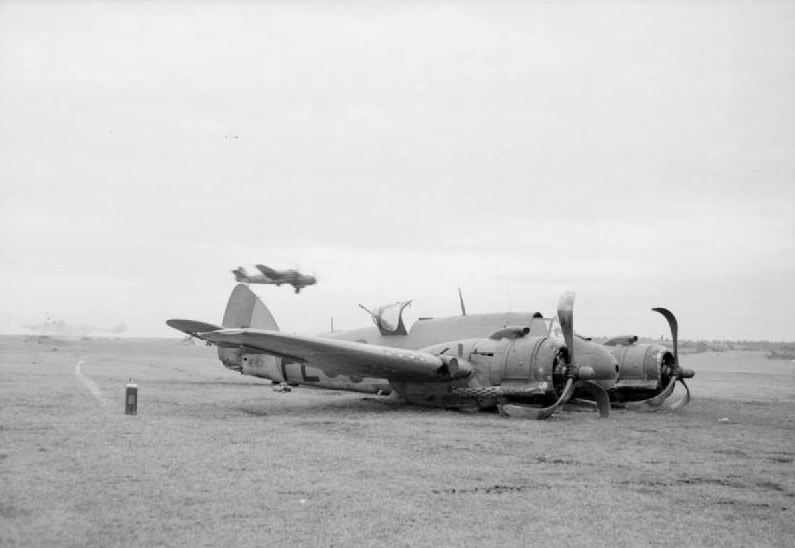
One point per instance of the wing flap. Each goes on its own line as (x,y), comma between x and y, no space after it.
(333,356)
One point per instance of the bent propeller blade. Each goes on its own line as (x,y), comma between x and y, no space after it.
(566,318)
(672,323)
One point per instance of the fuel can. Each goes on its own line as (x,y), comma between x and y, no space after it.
(131,399)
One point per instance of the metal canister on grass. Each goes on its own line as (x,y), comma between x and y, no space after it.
(131,399)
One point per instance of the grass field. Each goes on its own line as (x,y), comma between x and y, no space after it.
(217,459)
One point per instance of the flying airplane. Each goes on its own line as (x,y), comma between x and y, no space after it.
(292,277)
(274,277)
(523,369)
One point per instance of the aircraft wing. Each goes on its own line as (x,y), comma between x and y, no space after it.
(268,272)
(336,357)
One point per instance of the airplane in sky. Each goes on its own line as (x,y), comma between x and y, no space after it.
(520,363)
(274,277)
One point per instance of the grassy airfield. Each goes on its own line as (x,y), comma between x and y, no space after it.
(214,458)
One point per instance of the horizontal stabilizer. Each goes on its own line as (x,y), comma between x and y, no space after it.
(192,327)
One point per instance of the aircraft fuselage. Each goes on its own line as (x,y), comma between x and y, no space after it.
(527,361)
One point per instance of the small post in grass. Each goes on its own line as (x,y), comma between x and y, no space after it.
(131,399)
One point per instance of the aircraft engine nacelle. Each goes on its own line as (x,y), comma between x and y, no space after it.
(484,370)
(530,364)
(642,367)
(539,359)
(533,369)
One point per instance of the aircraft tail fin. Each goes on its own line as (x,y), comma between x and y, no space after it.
(240,273)
(245,309)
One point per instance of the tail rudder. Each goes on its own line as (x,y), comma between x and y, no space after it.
(244,309)
(240,274)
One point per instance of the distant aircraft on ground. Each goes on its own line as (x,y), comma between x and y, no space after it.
(522,364)
(61,328)
(274,277)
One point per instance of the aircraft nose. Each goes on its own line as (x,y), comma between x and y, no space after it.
(606,365)
(598,358)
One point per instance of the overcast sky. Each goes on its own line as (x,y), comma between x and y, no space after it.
(640,154)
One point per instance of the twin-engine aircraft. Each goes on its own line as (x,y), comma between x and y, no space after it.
(522,364)
(274,277)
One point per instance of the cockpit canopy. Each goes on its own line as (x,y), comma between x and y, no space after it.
(389,318)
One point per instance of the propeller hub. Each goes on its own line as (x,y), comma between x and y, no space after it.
(585,373)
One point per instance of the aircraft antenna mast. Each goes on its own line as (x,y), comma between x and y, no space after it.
(461,300)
